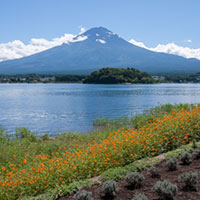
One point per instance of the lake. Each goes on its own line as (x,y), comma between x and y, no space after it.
(54,108)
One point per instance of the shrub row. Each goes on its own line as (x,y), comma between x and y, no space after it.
(164,189)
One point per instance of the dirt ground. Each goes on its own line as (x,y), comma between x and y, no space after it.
(125,194)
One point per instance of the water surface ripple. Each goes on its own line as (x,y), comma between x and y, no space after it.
(53,108)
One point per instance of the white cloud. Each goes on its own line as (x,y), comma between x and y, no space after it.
(82,30)
(139,44)
(171,48)
(187,41)
(17,49)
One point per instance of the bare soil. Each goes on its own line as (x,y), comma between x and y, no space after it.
(125,194)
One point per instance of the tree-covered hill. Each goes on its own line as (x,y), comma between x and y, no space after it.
(117,76)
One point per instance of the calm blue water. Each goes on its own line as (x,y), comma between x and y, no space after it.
(54,108)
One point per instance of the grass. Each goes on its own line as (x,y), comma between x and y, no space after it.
(63,190)
(137,120)
(31,166)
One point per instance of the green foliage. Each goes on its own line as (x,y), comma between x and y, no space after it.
(137,166)
(45,137)
(154,172)
(174,154)
(104,123)
(183,78)
(181,150)
(24,133)
(172,164)
(109,188)
(190,180)
(114,174)
(186,158)
(141,164)
(165,189)
(118,75)
(138,120)
(83,195)
(134,179)
(196,154)
(75,186)
(51,195)
(4,138)
(69,78)
(140,196)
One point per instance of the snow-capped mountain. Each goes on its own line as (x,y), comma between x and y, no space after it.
(95,49)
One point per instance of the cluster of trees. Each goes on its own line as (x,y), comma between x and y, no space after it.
(69,78)
(118,75)
(183,78)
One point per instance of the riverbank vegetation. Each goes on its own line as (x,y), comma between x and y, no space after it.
(31,166)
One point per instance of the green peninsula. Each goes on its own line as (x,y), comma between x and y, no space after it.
(118,76)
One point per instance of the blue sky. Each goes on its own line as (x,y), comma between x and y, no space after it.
(152,22)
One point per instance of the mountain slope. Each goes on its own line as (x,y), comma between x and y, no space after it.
(95,49)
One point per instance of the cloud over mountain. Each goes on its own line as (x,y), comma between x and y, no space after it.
(17,49)
(171,48)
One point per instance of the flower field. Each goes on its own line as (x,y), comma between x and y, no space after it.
(35,174)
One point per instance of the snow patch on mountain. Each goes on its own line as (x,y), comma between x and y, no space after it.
(101,41)
(80,38)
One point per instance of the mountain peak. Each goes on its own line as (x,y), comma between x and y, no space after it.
(97,30)
(99,34)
